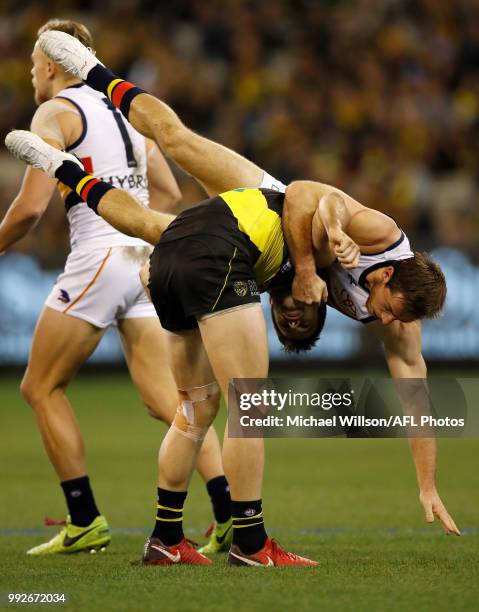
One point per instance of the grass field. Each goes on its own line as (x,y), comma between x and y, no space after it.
(352,504)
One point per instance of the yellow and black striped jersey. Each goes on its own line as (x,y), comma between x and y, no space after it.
(247,218)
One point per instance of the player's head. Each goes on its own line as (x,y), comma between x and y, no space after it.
(44,70)
(410,289)
(298,326)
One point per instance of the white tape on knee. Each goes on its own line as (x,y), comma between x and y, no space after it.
(185,418)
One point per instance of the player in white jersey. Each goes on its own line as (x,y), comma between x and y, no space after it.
(347,288)
(99,287)
(88,289)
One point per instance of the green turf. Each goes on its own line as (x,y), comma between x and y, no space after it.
(352,504)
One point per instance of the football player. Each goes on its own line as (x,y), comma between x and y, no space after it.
(99,287)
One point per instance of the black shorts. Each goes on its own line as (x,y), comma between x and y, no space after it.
(199,275)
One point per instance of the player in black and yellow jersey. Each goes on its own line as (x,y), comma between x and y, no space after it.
(219,255)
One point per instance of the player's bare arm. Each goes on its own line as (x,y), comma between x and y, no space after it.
(300,207)
(334,216)
(321,224)
(27,208)
(59,124)
(402,345)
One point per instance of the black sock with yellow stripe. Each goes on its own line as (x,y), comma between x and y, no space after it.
(119,91)
(169,516)
(249,533)
(89,188)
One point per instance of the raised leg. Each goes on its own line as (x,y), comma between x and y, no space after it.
(216,167)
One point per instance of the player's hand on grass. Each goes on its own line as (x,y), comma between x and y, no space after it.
(309,288)
(433,507)
(345,249)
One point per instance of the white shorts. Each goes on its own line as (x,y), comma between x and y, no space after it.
(102,286)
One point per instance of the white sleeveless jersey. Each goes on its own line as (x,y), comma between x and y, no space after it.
(112,150)
(347,290)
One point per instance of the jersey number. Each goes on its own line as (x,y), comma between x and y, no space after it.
(125,136)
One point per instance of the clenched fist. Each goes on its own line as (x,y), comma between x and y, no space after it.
(345,249)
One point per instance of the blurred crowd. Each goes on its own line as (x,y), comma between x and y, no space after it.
(377,97)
